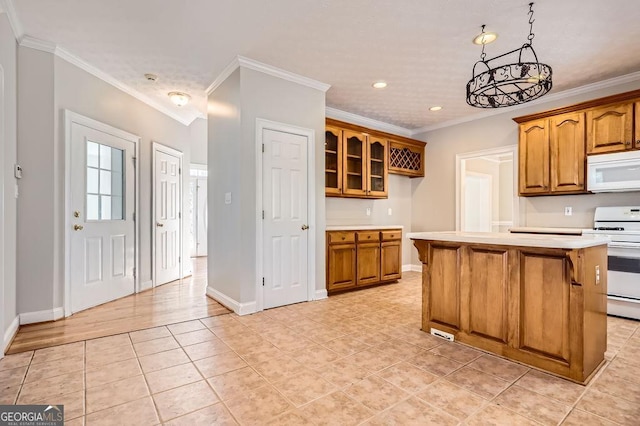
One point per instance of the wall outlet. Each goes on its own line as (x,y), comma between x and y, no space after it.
(227,198)
(368,211)
(390,211)
(568,211)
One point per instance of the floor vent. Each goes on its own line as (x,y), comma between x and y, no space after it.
(444,335)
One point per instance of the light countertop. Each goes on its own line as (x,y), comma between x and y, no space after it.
(361,227)
(524,240)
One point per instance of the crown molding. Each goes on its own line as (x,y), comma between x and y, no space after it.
(46,46)
(349,117)
(241,61)
(587,88)
(8,7)
(226,72)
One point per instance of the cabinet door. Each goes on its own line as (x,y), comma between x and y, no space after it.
(609,128)
(354,163)
(637,122)
(368,263)
(568,152)
(534,157)
(377,170)
(341,266)
(390,260)
(333,161)
(545,317)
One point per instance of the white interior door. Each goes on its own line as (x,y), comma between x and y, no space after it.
(167,215)
(284,181)
(102,235)
(477,203)
(201,217)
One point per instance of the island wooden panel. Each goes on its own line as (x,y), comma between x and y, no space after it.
(540,306)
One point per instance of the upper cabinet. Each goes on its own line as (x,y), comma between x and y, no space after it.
(610,128)
(406,158)
(553,145)
(357,160)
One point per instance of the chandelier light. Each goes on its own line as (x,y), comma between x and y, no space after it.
(495,84)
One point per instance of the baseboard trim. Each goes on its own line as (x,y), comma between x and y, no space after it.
(41,316)
(412,268)
(234,305)
(146,285)
(10,333)
(320,294)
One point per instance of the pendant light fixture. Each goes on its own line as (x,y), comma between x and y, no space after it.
(495,85)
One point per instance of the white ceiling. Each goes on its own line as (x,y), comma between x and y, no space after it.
(422,48)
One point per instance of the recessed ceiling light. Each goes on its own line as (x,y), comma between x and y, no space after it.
(485,38)
(151,77)
(435,108)
(179,98)
(379,85)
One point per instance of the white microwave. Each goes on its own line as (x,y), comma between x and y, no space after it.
(617,172)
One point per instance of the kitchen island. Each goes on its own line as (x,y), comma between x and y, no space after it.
(537,299)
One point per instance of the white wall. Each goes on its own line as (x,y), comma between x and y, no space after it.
(8,157)
(198,140)
(434,195)
(353,211)
(233,109)
(48,85)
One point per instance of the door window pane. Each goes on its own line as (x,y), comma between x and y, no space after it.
(105,182)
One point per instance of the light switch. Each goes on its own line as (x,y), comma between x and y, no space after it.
(368,211)
(227,198)
(390,211)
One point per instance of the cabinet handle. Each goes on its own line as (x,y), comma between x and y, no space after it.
(638,143)
(628,143)
(343,238)
(368,237)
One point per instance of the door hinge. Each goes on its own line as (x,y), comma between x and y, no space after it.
(262,214)
(179,170)
(262,147)
(134,216)
(134,159)
(179,215)
(179,259)
(134,272)
(262,281)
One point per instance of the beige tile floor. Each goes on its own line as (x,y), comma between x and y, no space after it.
(356,358)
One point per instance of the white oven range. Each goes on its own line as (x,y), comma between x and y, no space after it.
(622,226)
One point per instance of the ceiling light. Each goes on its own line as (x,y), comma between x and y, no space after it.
(435,108)
(379,85)
(151,77)
(518,82)
(485,38)
(179,98)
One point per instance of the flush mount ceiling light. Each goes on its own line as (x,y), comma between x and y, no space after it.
(485,37)
(435,108)
(179,98)
(379,85)
(497,86)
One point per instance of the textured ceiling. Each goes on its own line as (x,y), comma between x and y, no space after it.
(422,48)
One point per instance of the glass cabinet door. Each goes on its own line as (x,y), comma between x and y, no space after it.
(378,172)
(333,161)
(354,163)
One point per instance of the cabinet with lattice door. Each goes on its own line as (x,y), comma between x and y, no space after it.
(406,157)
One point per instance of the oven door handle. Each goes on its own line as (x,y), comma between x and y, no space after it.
(623,245)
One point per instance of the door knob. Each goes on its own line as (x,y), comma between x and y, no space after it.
(159,225)
(78,227)
(305,227)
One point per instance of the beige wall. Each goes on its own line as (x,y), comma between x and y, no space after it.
(48,86)
(352,211)
(8,157)
(233,109)
(198,140)
(434,196)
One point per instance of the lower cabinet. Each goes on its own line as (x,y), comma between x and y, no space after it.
(361,258)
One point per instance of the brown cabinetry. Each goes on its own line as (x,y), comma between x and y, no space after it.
(361,258)
(610,128)
(357,160)
(534,157)
(545,307)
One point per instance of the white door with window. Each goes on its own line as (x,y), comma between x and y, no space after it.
(285,234)
(198,205)
(102,234)
(477,202)
(167,214)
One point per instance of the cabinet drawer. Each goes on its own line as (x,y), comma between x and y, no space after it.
(392,235)
(341,237)
(368,237)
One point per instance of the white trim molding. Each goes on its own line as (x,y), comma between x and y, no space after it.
(8,7)
(241,61)
(415,268)
(321,294)
(147,285)
(616,81)
(41,316)
(10,333)
(367,122)
(234,305)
